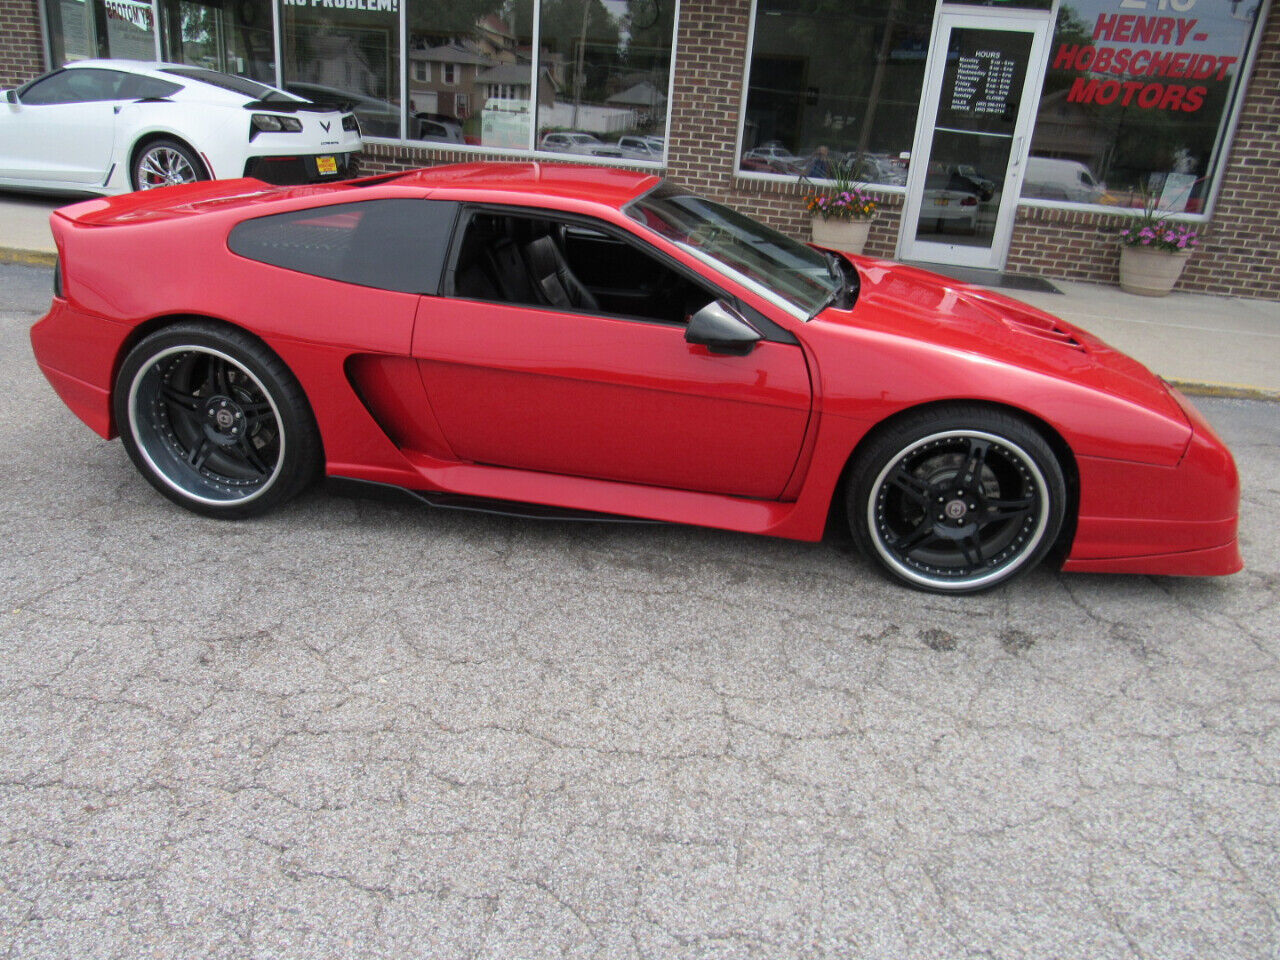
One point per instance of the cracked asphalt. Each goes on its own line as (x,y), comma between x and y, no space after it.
(359,729)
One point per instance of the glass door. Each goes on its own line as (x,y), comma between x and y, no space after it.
(982,86)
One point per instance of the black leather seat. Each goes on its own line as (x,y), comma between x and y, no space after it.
(552,279)
(506,261)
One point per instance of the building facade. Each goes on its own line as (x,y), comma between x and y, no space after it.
(1019,135)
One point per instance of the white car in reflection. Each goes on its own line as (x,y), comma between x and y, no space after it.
(577,142)
(111,126)
(642,148)
(948,205)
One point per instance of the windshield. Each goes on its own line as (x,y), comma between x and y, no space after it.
(794,276)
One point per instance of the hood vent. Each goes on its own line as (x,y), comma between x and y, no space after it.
(1045,328)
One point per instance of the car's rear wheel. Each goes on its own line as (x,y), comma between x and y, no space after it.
(956,500)
(163,163)
(215,421)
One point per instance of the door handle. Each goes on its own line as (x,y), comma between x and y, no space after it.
(1017,153)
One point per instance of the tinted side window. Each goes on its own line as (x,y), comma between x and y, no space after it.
(148,88)
(390,244)
(76,86)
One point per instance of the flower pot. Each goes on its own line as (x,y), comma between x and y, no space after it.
(847,235)
(1151,273)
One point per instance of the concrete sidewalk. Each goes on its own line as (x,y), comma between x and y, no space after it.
(24,227)
(1205,344)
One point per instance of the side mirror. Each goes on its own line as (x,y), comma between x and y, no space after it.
(721,329)
(11,96)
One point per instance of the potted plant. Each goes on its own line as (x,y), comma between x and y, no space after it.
(842,213)
(1153,252)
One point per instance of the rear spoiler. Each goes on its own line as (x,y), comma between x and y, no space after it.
(163,204)
(294,106)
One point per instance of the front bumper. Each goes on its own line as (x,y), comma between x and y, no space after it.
(285,171)
(1180,520)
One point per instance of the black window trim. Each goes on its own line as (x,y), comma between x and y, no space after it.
(768,329)
(137,78)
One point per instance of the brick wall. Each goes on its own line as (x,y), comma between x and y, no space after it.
(21,47)
(1244,241)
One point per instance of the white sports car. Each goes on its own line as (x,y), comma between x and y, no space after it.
(111,126)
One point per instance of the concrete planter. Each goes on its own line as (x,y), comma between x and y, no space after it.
(847,235)
(1150,273)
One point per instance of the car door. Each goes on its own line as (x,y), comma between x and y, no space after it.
(608,389)
(60,129)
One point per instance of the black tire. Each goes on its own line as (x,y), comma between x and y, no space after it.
(956,499)
(215,421)
(163,163)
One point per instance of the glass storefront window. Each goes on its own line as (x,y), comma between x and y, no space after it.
(232,37)
(83,29)
(603,72)
(1136,101)
(459,55)
(830,80)
(349,55)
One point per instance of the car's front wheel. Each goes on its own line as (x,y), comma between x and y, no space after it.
(215,421)
(164,163)
(956,500)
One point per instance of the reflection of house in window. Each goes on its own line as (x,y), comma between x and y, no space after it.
(645,98)
(439,74)
(511,81)
(453,75)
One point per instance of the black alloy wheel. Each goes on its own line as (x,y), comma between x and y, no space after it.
(215,421)
(957,500)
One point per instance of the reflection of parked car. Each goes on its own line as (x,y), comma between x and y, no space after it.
(435,126)
(880,169)
(640,148)
(975,181)
(948,202)
(1048,178)
(773,158)
(594,340)
(109,126)
(378,118)
(759,165)
(577,142)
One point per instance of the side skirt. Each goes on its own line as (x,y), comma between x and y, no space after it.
(370,489)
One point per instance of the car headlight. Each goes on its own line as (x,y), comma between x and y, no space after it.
(270,123)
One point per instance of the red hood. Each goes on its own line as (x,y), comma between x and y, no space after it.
(907,301)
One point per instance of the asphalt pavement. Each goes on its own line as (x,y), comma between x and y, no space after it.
(359,729)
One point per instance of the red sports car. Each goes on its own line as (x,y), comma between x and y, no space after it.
(598,341)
